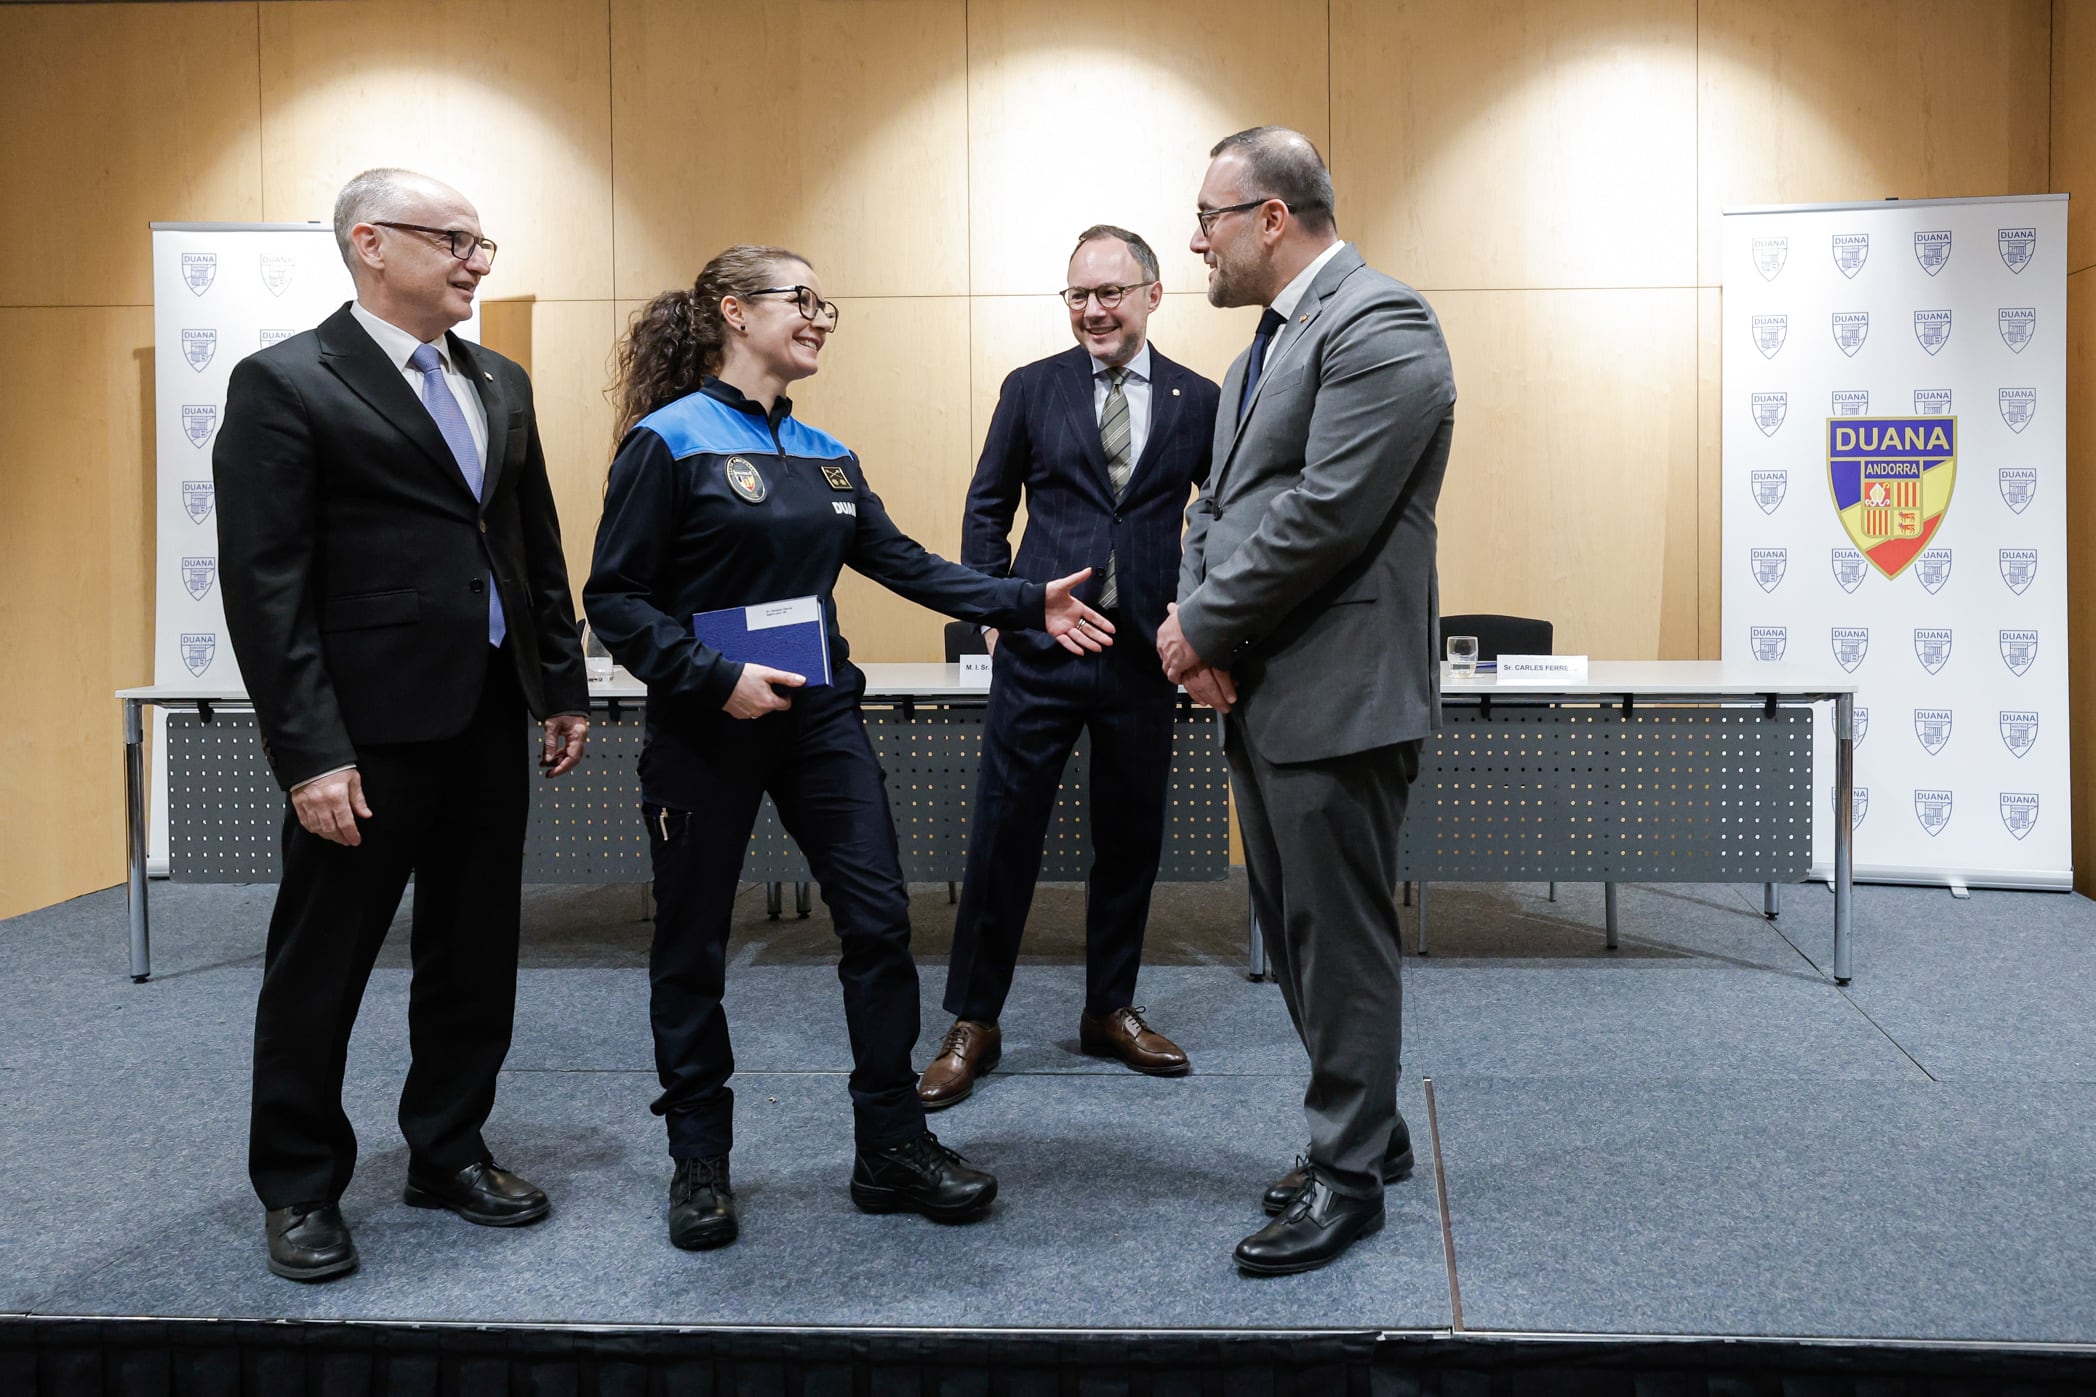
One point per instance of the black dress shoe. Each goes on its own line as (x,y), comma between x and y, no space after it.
(702,1206)
(310,1242)
(1397,1167)
(921,1176)
(1317,1226)
(485,1193)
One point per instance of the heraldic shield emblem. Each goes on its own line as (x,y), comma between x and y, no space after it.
(2019,812)
(198,648)
(1932,808)
(2017,245)
(199,270)
(1891,478)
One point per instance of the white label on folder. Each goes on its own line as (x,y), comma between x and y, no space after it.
(794,611)
(1572,667)
(975,671)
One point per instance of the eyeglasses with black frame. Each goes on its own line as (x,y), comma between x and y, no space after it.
(1107,296)
(813,308)
(461,243)
(1207,217)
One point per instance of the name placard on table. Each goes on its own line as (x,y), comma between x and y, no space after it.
(1572,668)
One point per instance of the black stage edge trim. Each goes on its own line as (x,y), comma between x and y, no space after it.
(291,1358)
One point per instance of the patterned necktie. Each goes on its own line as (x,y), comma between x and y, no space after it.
(451,422)
(1262,340)
(1115,435)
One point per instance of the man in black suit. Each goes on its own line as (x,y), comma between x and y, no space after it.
(395,592)
(1105,441)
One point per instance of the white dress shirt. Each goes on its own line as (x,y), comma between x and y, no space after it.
(1292,295)
(1136,389)
(398,344)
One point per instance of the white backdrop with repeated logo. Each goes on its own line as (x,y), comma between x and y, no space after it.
(221,291)
(1871,350)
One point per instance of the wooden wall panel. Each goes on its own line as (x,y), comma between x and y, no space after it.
(1804,102)
(1514,144)
(2074,127)
(894,388)
(1575,447)
(1094,111)
(76,559)
(2081,558)
(835,127)
(115,116)
(566,346)
(1710,475)
(508,101)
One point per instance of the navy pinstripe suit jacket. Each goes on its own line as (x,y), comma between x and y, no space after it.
(1044,443)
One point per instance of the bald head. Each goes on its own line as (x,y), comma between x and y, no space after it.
(385,194)
(397,230)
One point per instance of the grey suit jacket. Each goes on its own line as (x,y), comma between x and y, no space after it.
(1308,568)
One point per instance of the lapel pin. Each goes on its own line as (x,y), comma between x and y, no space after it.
(488,376)
(1303,319)
(1175,392)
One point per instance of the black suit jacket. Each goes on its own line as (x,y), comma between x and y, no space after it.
(1044,441)
(354,557)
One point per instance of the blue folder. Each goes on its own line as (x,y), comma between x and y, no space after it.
(787,635)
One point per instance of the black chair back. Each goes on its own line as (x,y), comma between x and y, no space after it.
(1497,635)
(965,638)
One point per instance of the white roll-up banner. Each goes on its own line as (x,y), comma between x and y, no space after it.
(1894,490)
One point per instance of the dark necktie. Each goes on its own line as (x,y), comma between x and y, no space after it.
(451,424)
(1116,435)
(1262,340)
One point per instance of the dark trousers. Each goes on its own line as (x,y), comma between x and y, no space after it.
(452,814)
(1321,843)
(1041,698)
(816,763)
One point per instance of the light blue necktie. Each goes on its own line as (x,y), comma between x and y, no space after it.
(451,421)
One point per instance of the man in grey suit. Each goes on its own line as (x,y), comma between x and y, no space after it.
(1307,610)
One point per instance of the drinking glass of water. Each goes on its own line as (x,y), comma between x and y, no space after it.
(596,660)
(1462,656)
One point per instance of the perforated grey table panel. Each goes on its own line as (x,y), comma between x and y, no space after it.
(225,812)
(1586,794)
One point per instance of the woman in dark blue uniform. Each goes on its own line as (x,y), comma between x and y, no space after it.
(720,497)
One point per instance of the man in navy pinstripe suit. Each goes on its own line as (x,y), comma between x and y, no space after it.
(1105,442)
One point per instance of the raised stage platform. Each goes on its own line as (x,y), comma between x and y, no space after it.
(1696,1137)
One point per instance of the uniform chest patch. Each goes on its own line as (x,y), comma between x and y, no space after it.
(850,507)
(837,478)
(744,480)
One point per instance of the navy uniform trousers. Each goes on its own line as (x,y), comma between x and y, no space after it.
(1041,697)
(452,813)
(819,768)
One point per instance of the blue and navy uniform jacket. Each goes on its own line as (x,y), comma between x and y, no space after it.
(682,534)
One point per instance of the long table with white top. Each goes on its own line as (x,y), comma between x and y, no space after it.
(1644,771)
(1691,771)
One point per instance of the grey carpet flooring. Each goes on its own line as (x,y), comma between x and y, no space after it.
(1697,1133)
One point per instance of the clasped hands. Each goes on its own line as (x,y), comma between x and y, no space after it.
(1209,685)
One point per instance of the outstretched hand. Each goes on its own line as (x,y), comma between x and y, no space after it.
(1075,626)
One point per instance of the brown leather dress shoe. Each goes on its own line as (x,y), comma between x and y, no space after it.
(1123,1035)
(970,1049)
